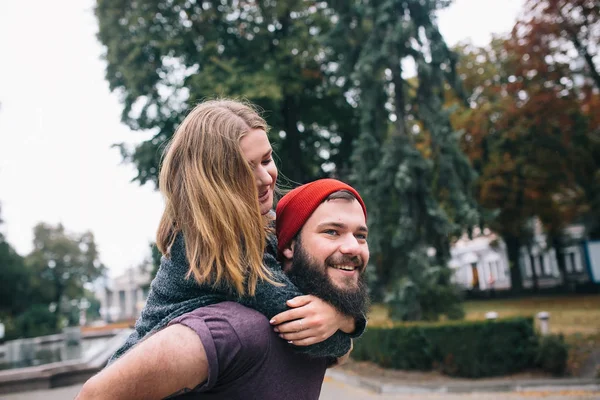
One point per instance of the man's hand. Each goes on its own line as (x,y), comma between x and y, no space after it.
(169,362)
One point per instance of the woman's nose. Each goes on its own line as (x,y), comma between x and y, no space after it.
(263,178)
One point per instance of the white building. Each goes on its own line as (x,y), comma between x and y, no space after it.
(122,298)
(480,263)
(542,259)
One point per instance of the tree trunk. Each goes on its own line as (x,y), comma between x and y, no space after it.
(293,151)
(560,260)
(512,248)
(581,49)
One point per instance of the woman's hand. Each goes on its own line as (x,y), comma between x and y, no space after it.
(311,320)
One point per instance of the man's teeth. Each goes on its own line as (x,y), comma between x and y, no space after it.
(344,267)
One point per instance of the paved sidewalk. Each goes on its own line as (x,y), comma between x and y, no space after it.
(63,393)
(339,384)
(335,390)
(464,386)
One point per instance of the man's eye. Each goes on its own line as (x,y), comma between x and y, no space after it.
(361,236)
(332,232)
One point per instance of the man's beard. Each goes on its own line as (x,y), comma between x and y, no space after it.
(312,278)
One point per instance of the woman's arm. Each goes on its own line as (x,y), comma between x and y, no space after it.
(311,320)
(272,300)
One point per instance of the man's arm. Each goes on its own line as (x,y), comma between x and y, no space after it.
(172,361)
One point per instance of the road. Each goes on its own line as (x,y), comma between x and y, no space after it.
(335,390)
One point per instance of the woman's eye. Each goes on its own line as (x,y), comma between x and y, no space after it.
(267,162)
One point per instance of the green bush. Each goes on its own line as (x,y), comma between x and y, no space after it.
(466,349)
(552,354)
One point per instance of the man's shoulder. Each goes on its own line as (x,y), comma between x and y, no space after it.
(229,321)
(228,310)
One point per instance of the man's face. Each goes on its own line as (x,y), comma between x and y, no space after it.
(335,238)
(330,255)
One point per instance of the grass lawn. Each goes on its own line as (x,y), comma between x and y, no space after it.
(568,314)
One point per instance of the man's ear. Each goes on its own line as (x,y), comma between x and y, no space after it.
(288,251)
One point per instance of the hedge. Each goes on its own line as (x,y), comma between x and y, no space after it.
(472,349)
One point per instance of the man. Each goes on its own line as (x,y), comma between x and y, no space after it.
(227,351)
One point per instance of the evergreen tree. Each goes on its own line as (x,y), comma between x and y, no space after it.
(407,162)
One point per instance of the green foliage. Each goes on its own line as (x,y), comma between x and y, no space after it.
(71,316)
(14,281)
(414,178)
(465,349)
(426,295)
(164,56)
(155,256)
(38,320)
(552,354)
(62,263)
(325,73)
(93,311)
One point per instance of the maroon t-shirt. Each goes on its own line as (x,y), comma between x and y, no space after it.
(246,358)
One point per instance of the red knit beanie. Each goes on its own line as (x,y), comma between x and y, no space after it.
(296,207)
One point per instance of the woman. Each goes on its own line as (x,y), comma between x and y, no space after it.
(213,233)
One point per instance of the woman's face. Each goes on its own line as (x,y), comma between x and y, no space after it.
(259,154)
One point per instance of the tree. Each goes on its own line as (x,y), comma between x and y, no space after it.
(530,139)
(565,35)
(164,56)
(559,30)
(151,264)
(14,280)
(416,181)
(62,263)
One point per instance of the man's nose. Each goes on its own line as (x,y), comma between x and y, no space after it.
(350,245)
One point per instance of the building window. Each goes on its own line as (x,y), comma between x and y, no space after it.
(572,261)
(534,265)
(569,262)
(577,261)
(546,267)
(526,261)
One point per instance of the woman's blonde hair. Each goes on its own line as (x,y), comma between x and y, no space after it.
(211,197)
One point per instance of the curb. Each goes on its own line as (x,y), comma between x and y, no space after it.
(549,385)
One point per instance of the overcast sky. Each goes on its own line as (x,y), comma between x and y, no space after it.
(58,121)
